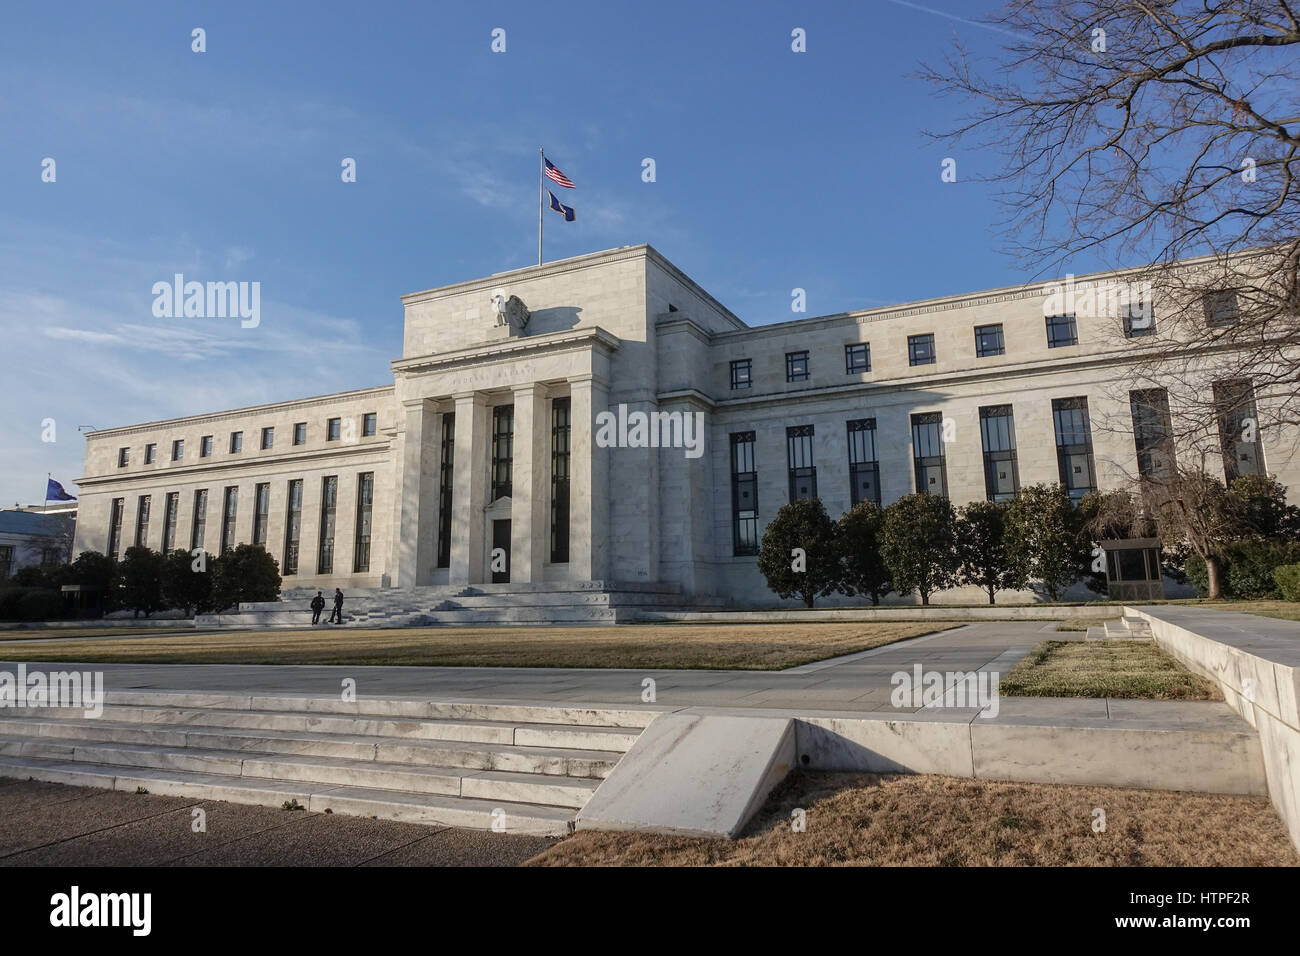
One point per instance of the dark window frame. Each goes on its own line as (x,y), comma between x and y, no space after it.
(998,444)
(853,350)
(793,361)
(1072,427)
(747,379)
(927,438)
(1062,330)
(744,480)
(864,459)
(561,442)
(990,340)
(921,350)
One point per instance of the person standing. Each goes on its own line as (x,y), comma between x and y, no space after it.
(317,605)
(336,616)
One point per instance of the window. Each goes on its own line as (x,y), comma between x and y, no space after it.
(236,442)
(1152,432)
(365,506)
(742,373)
(1061,331)
(864,466)
(561,427)
(268,438)
(1074,446)
(857,358)
(799,457)
(446,481)
(205,446)
(142,521)
(503,442)
(50,558)
(369,422)
(292,526)
(178,449)
(300,433)
(920,349)
(1221,308)
(988,341)
(998,436)
(1139,319)
(150,454)
(261,510)
(744,495)
(796,366)
(200,519)
(123,457)
(171,509)
(115,527)
(229,508)
(6,561)
(332,429)
(329,499)
(928,454)
(1243,451)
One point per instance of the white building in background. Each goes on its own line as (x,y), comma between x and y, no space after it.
(514,424)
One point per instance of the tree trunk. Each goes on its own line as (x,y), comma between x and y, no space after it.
(991,590)
(1213,577)
(925,598)
(808,599)
(875,598)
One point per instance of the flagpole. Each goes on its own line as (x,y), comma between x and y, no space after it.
(541,172)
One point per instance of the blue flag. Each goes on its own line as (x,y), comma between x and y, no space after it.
(54,492)
(567,211)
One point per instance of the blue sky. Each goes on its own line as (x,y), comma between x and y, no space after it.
(775,170)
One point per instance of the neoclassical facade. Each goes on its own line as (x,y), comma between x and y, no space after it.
(603,418)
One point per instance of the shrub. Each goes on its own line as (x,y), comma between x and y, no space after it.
(800,524)
(245,574)
(30,604)
(863,568)
(1287,578)
(919,544)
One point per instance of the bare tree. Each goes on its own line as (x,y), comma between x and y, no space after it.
(1168,133)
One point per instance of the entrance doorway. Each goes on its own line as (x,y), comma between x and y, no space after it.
(500,545)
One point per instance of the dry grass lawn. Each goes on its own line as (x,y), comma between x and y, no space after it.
(871,820)
(47,633)
(1127,669)
(707,646)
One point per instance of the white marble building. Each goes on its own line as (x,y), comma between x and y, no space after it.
(486,442)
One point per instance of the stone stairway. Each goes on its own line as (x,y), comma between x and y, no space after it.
(585,602)
(526,768)
(1123,629)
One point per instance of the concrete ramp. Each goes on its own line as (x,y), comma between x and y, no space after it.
(694,775)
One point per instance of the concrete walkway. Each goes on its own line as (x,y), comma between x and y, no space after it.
(856,682)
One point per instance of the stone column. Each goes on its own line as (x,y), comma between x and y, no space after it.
(418,516)
(589,485)
(469,491)
(531,470)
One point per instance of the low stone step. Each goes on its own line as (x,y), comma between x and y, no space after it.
(471,812)
(480,731)
(550,790)
(638,718)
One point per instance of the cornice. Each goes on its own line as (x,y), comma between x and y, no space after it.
(493,351)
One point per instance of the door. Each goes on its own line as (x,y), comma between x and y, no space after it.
(500,558)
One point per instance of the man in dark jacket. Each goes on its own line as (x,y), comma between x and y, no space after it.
(317,605)
(336,616)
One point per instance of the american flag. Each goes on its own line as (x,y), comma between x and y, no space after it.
(555,176)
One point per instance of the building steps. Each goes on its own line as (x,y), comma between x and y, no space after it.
(468,605)
(1127,629)
(454,763)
